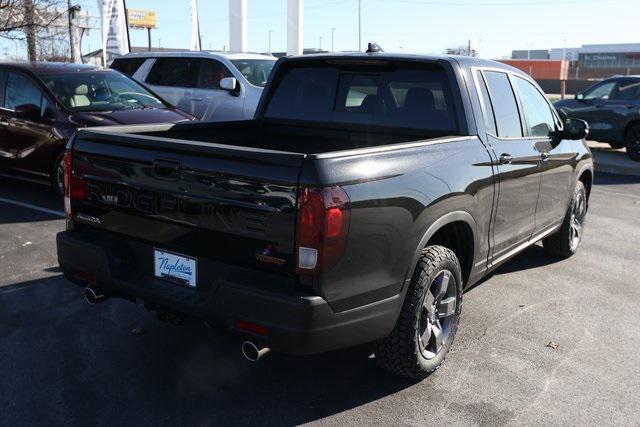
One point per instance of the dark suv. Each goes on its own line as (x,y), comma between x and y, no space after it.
(612,109)
(43,104)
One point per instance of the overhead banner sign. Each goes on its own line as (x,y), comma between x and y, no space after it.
(115,37)
(195,27)
(139,18)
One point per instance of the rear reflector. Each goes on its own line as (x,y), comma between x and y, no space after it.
(253,328)
(323,226)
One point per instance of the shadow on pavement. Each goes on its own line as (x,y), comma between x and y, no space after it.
(70,363)
(602,178)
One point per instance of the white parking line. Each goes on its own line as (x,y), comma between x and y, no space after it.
(34,207)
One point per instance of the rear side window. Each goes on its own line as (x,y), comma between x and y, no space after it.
(176,72)
(128,66)
(504,105)
(391,95)
(487,111)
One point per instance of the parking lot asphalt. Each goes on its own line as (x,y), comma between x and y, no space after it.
(64,362)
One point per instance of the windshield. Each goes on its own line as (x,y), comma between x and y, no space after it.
(256,71)
(99,91)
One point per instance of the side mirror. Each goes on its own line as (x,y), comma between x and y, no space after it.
(28,112)
(580,96)
(575,129)
(229,83)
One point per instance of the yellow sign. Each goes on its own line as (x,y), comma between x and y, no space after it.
(141,18)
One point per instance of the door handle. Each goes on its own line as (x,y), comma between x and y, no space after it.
(196,99)
(3,123)
(505,159)
(545,156)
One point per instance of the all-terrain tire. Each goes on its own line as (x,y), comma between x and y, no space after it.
(564,242)
(402,352)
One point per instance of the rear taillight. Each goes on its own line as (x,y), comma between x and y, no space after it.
(75,188)
(323,227)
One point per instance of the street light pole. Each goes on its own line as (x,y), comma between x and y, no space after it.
(269,37)
(320,42)
(360,25)
(333,30)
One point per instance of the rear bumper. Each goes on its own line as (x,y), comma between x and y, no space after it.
(297,323)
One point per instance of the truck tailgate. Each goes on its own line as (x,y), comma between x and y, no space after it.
(228,204)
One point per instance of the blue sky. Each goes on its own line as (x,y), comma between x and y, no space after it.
(495,26)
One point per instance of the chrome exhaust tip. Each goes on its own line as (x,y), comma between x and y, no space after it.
(253,352)
(93,296)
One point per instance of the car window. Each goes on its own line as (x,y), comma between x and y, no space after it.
(487,112)
(210,72)
(628,90)
(21,90)
(256,71)
(504,105)
(175,72)
(128,66)
(536,110)
(601,91)
(103,90)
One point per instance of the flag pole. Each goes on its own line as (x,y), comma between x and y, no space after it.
(126,23)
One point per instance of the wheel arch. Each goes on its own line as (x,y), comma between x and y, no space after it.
(452,230)
(633,122)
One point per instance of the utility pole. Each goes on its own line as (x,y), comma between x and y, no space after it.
(31,29)
(269,37)
(359,25)
(74,46)
(320,43)
(333,30)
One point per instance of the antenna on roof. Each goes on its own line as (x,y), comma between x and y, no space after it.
(374,48)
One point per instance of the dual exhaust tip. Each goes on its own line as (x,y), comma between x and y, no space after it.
(254,352)
(251,351)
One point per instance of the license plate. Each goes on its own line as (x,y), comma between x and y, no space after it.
(175,268)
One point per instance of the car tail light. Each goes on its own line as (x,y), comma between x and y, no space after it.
(75,188)
(323,227)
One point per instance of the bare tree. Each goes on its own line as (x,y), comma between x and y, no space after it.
(30,20)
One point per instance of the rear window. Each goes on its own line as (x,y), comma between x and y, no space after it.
(406,96)
(127,66)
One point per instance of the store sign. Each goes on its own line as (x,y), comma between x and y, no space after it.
(600,57)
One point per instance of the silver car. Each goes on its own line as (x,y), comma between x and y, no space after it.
(212,86)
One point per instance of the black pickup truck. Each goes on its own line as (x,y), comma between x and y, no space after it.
(367,194)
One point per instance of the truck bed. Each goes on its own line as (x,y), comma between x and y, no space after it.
(305,138)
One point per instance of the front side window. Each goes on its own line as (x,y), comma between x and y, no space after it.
(504,105)
(536,110)
(388,94)
(602,91)
(256,71)
(210,72)
(628,90)
(99,91)
(21,90)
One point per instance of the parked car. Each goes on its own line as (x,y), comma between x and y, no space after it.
(212,86)
(43,104)
(368,193)
(612,109)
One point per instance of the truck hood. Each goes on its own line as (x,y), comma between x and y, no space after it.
(129,117)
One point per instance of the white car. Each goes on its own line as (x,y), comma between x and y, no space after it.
(212,86)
